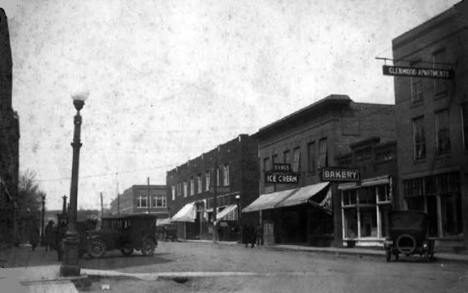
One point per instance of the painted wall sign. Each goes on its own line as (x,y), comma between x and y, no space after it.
(336,174)
(282,168)
(418,72)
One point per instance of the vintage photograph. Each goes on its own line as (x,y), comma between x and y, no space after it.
(233,146)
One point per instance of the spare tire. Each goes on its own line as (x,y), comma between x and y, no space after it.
(406,244)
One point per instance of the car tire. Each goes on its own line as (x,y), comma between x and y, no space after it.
(148,247)
(127,251)
(406,244)
(97,248)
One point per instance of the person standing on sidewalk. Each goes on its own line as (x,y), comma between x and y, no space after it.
(259,231)
(49,239)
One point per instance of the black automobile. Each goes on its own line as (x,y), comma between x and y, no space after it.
(408,232)
(125,233)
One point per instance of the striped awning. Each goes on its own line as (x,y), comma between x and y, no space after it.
(187,213)
(228,213)
(304,194)
(268,201)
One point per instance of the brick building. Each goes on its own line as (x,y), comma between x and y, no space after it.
(309,211)
(9,140)
(140,199)
(231,173)
(432,125)
(365,204)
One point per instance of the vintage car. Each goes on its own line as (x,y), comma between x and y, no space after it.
(408,235)
(126,233)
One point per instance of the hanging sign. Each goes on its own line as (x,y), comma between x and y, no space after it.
(418,72)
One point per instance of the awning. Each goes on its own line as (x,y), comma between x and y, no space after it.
(304,194)
(268,201)
(186,214)
(227,213)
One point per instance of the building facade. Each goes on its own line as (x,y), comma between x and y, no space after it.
(365,204)
(140,199)
(223,180)
(9,141)
(432,125)
(309,211)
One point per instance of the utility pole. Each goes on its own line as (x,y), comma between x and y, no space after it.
(102,206)
(149,196)
(215,196)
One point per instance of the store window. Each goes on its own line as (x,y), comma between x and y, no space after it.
(442,132)
(419,139)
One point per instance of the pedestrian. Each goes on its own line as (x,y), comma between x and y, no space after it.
(259,235)
(60,232)
(49,239)
(34,236)
(252,236)
(245,235)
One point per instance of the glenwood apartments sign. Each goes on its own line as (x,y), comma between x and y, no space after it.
(282,173)
(418,72)
(340,174)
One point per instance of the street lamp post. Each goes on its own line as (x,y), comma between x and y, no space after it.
(70,266)
(42,218)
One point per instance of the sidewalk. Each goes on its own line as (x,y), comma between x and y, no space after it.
(38,271)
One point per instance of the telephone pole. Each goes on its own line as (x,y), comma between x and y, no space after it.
(149,196)
(215,196)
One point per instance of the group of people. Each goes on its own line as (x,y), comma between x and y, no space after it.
(53,234)
(252,235)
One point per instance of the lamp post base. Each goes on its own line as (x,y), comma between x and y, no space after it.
(70,265)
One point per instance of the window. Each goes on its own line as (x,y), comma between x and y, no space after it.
(442,132)
(199,183)
(218,175)
(142,201)
(185,188)
(322,159)
(207,180)
(417,95)
(349,197)
(159,201)
(179,188)
(311,157)
(419,139)
(440,85)
(464,115)
(173,192)
(413,187)
(192,186)
(274,159)
(383,194)
(266,164)
(296,160)
(226,174)
(287,157)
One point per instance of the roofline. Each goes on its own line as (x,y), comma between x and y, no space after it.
(334,98)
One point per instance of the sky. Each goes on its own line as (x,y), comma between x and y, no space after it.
(170,80)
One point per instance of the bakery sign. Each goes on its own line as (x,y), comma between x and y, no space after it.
(340,174)
(418,72)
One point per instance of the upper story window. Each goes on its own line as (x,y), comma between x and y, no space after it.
(464,121)
(142,201)
(173,192)
(199,183)
(419,139)
(440,85)
(179,188)
(417,95)
(322,159)
(287,157)
(311,157)
(207,180)
(442,132)
(185,188)
(192,186)
(296,160)
(218,177)
(266,165)
(226,174)
(159,201)
(274,159)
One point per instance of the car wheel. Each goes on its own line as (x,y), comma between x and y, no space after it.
(406,244)
(127,251)
(97,248)
(148,247)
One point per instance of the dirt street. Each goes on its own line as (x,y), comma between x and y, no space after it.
(266,270)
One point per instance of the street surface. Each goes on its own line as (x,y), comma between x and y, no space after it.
(234,268)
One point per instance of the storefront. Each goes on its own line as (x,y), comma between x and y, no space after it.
(439,196)
(364,211)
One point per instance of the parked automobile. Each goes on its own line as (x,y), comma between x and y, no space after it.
(125,233)
(408,231)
